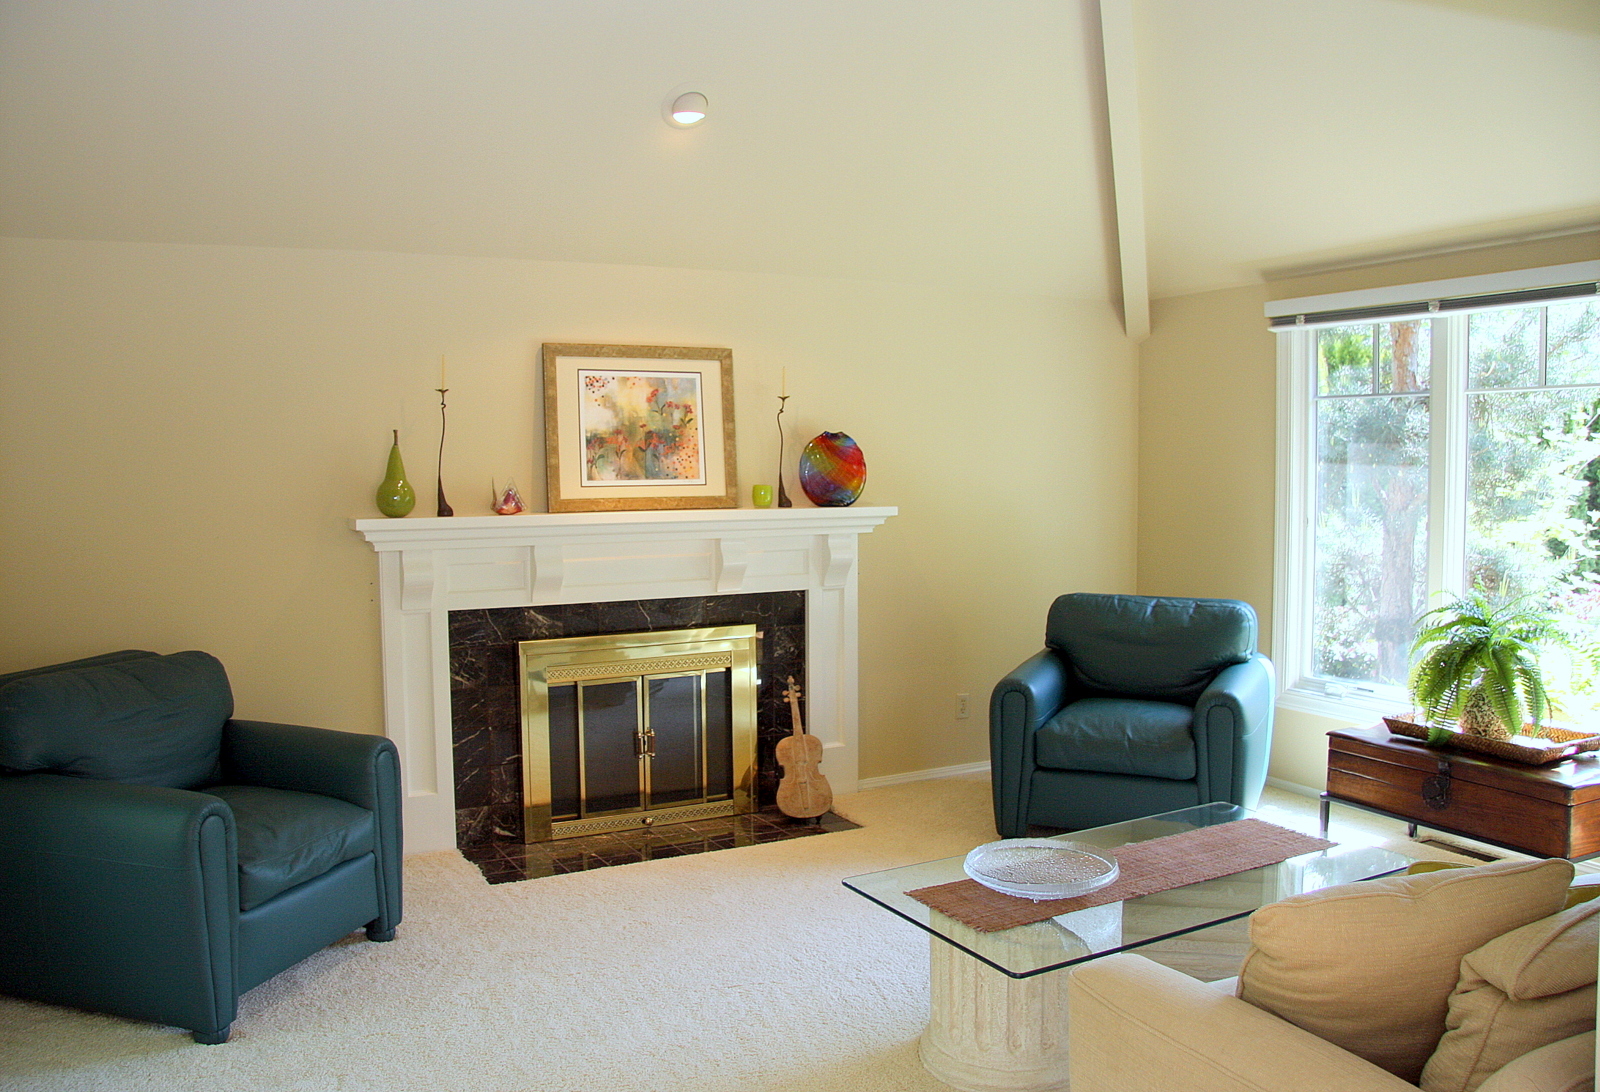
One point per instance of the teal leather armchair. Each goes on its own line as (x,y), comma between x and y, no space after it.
(158,858)
(1137,705)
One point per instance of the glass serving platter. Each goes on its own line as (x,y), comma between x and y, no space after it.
(1040,868)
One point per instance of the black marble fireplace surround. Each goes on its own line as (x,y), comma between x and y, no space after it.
(485,689)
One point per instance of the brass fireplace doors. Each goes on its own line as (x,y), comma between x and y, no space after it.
(628,730)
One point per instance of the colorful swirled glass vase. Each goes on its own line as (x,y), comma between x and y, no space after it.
(832,470)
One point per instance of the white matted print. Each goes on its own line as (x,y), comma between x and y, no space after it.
(638,427)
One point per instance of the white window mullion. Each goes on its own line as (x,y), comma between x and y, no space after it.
(1293,585)
(1447,456)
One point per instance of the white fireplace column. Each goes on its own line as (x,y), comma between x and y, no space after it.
(429,566)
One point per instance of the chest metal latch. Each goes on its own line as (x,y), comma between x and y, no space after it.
(1436,789)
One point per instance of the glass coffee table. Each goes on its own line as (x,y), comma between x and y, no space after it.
(997,1016)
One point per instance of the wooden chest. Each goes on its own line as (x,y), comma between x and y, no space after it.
(1547,811)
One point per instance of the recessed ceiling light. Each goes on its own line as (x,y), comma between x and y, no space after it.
(685,110)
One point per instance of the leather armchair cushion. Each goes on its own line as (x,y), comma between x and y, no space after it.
(1120,736)
(286,838)
(150,720)
(1148,647)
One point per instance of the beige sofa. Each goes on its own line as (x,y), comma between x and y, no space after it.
(1468,980)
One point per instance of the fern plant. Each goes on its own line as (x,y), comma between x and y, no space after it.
(1479,667)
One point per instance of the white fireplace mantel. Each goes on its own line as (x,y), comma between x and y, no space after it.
(428,567)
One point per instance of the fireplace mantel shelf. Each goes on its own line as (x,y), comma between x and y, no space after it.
(467,531)
(429,566)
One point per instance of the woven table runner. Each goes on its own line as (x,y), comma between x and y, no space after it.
(1145,868)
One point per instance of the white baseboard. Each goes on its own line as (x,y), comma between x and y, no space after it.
(921,775)
(1294,787)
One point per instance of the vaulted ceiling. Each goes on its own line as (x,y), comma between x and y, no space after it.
(955,142)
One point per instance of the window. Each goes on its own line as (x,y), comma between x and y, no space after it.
(1428,447)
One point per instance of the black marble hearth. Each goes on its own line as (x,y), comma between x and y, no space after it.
(504,862)
(485,692)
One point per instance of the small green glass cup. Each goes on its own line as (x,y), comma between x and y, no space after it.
(761,496)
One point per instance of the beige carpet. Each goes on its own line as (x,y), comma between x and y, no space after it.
(748,970)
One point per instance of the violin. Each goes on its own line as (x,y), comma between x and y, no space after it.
(803,793)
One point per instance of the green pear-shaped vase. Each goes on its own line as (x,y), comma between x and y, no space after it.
(395,496)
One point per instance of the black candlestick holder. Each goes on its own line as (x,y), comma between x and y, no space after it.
(444,505)
(783,495)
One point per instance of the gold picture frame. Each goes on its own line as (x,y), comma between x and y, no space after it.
(638,427)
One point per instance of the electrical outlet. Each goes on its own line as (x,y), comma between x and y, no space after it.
(963,707)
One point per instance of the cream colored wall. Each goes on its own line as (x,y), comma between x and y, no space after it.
(1207,444)
(185,431)
(1206,450)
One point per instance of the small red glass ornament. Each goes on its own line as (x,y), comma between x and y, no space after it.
(507,501)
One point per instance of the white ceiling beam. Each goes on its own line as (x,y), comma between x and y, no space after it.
(1127,162)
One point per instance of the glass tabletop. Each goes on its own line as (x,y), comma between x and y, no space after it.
(1121,926)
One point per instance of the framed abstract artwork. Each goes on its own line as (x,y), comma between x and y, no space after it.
(630,427)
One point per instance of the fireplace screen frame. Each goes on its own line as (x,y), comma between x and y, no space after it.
(620,657)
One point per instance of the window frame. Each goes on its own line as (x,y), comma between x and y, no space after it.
(1296,322)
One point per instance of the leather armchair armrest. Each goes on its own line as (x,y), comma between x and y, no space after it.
(1027,697)
(346,765)
(1233,729)
(1140,1027)
(361,769)
(89,820)
(119,898)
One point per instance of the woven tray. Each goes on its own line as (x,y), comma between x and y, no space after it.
(1538,745)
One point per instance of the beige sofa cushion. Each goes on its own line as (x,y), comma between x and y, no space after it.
(1370,966)
(1520,991)
(1567,1066)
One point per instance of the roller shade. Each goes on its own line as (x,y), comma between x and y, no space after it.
(1406,302)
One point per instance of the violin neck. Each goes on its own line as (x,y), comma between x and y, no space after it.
(793,694)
